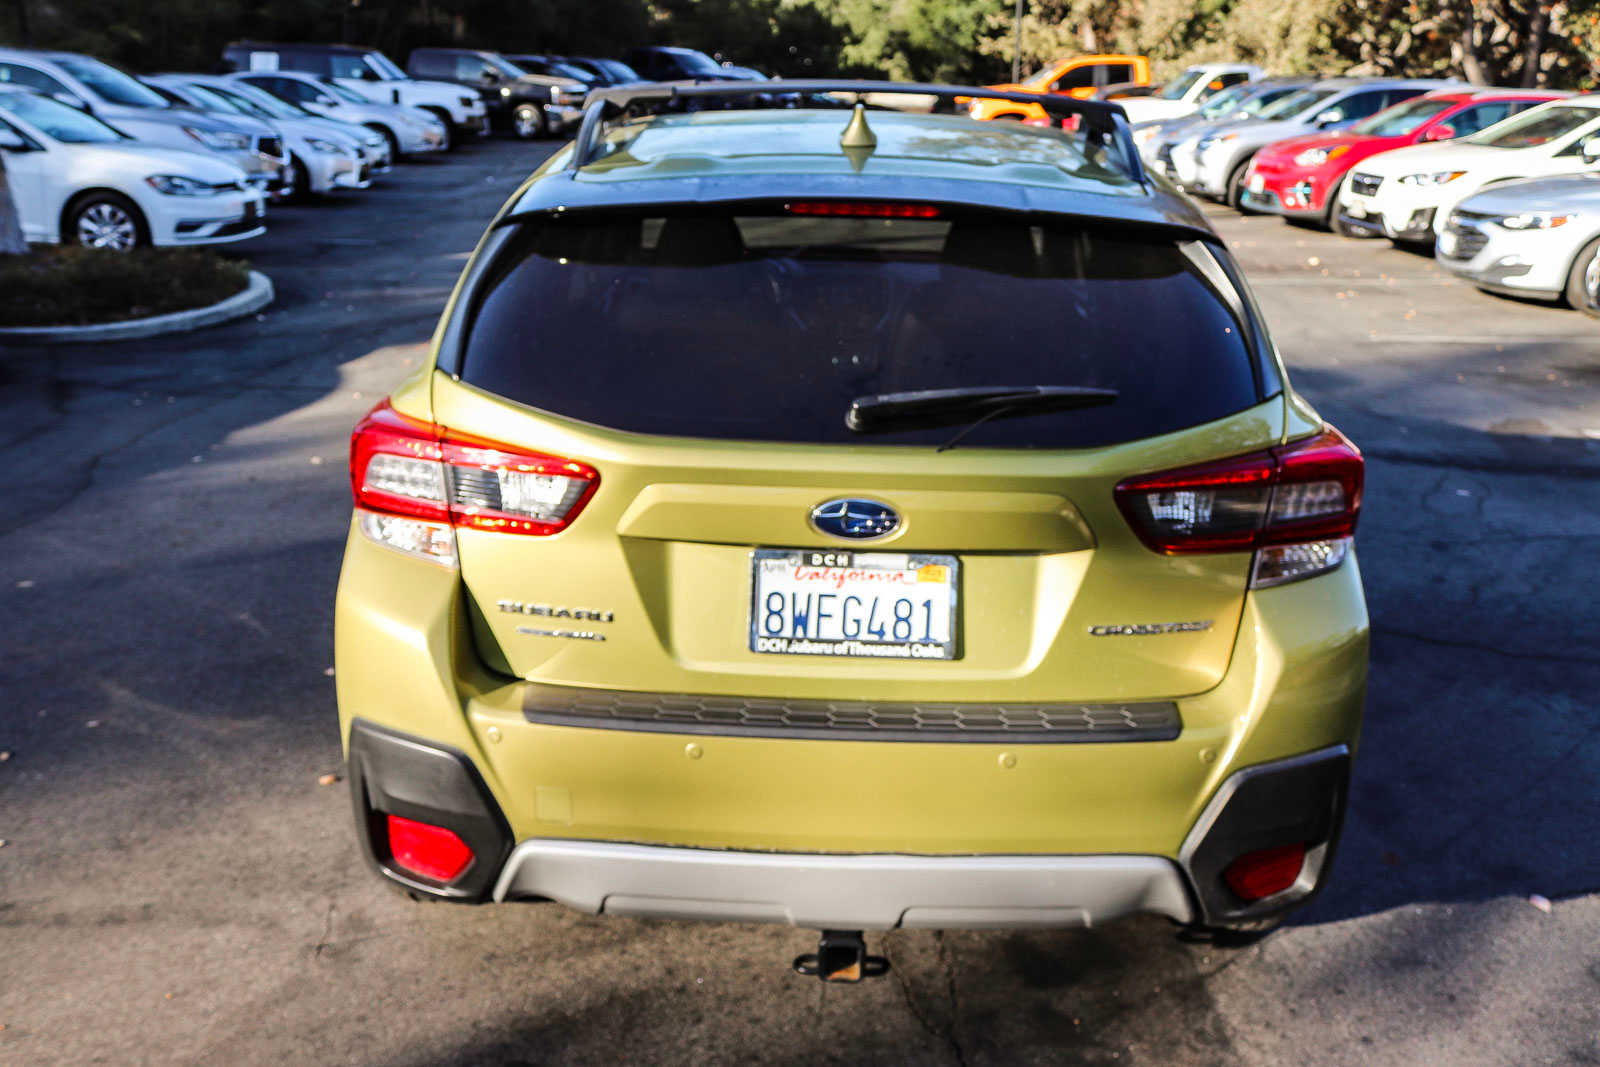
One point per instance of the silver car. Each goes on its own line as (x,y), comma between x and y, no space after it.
(118,98)
(323,155)
(375,151)
(267,135)
(1538,239)
(1158,138)
(408,130)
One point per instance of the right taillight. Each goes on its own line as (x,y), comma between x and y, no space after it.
(1295,506)
(416,482)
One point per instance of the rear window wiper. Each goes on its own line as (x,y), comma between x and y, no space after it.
(971,407)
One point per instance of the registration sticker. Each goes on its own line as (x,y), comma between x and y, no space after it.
(874,605)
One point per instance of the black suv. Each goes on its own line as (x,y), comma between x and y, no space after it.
(528,105)
(662,64)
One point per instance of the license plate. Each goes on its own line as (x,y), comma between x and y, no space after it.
(1447,243)
(874,605)
(1355,210)
(1258,184)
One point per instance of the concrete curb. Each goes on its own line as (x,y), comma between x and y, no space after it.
(257,295)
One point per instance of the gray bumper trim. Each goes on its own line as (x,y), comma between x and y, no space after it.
(844,892)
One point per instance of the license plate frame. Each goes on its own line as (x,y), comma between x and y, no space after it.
(942,647)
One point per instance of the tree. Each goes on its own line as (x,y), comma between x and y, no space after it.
(11,241)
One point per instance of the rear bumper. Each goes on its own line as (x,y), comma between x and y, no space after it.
(1301,799)
(618,818)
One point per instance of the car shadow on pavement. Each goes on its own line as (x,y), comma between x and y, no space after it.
(1478,762)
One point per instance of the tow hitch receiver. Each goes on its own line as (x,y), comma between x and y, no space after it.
(841,956)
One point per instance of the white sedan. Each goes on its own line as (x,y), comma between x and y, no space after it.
(76,180)
(1408,193)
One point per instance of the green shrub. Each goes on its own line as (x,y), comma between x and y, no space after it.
(81,286)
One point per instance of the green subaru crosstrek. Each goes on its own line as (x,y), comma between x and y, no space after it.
(854,519)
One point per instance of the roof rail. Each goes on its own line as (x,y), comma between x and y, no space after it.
(1103,124)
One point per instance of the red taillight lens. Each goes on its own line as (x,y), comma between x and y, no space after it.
(402,466)
(1258,875)
(863,209)
(1308,490)
(431,851)
(396,465)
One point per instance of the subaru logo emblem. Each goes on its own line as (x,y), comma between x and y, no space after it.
(858,520)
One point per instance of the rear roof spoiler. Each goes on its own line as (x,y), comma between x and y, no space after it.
(1102,124)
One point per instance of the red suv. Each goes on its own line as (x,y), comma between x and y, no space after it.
(1299,178)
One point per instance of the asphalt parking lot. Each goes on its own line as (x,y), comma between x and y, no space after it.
(177,887)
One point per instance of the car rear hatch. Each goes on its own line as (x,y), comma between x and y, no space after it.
(678,382)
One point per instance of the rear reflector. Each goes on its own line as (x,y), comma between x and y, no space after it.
(400,466)
(1258,875)
(862,209)
(1304,497)
(430,851)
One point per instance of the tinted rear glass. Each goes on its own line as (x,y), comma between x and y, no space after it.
(766,326)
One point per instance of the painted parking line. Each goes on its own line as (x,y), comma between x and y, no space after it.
(1480,339)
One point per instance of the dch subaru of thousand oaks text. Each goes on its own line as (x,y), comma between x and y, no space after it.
(854,520)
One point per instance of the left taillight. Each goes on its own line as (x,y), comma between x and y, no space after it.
(1295,506)
(415,483)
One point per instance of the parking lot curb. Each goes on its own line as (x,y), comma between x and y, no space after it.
(257,295)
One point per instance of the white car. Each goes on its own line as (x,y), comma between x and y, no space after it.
(369,73)
(118,98)
(1184,94)
(76,180)
(408,130)
(1538,239)
(1407,194)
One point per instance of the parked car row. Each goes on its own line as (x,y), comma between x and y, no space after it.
(473,90)
(98,156)
(1501,184)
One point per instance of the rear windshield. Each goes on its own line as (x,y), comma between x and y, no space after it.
(765,326)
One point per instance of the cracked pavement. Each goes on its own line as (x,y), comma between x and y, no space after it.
(176,887)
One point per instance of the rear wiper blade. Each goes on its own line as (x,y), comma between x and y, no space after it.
(926,408)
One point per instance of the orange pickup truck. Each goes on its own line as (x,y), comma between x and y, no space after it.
(1077,76)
